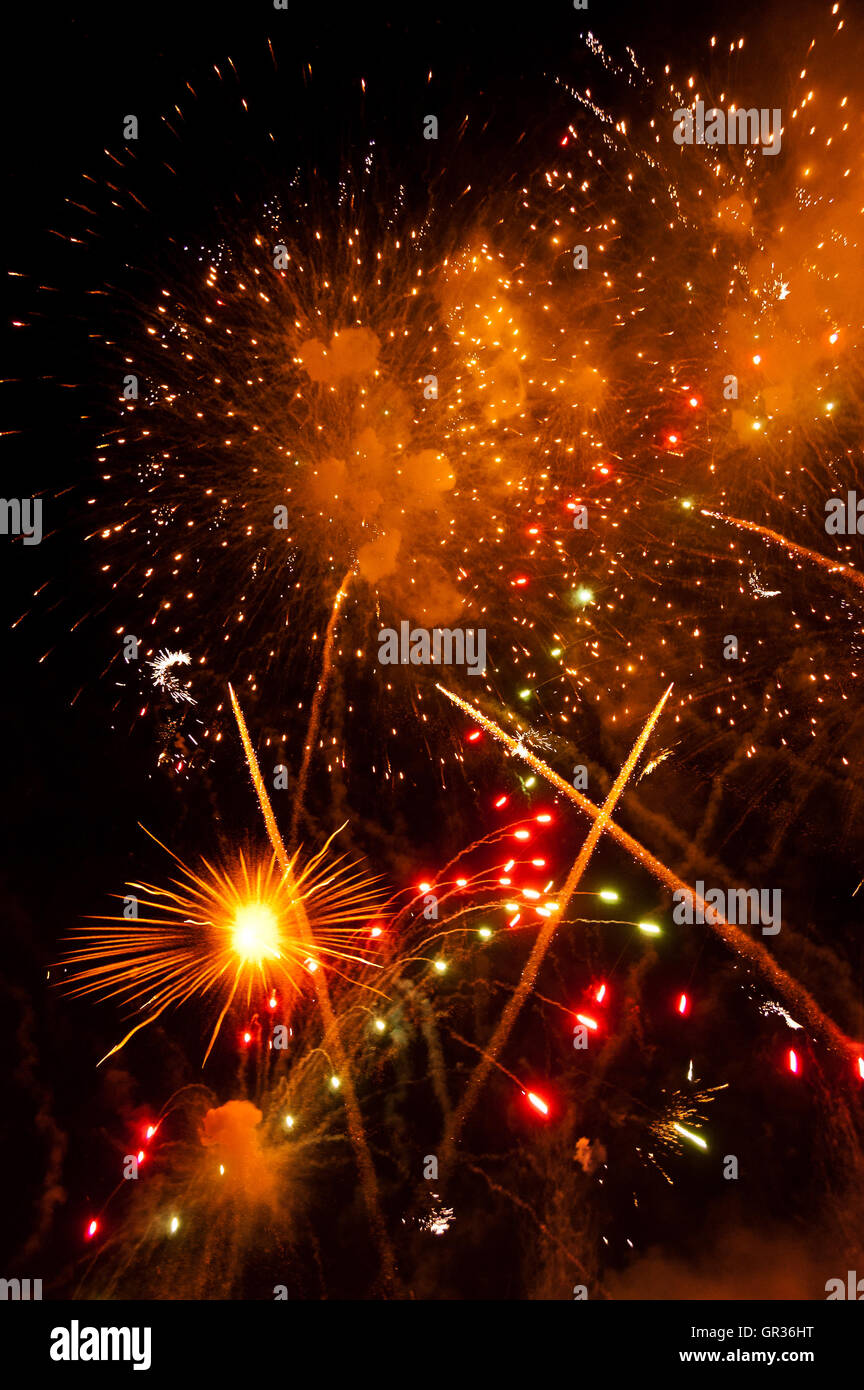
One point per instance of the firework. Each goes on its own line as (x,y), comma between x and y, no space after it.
(546,935)
(518,405)
(802,552)
(734,937)
(222,932)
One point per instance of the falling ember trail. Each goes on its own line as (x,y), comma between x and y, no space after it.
(545,937)
(332,1038)
(831,566)
(755,954)
(317,702)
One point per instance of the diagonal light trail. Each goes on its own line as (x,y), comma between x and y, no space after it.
(545,937)
(753,951)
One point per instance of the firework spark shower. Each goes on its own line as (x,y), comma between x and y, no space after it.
(333,977)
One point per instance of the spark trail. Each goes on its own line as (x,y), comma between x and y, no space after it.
(317,702)
(794,994)
(332,1037)
(546,936)
(830,566)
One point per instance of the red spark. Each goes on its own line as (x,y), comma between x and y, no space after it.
(537,1101)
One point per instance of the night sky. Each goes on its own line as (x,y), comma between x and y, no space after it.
(748,779)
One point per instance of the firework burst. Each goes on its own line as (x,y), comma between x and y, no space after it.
(222,931)
(541,404)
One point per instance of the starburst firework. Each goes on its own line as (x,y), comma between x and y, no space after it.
(220,931)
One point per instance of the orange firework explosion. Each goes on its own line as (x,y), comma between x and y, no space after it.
(223,930)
